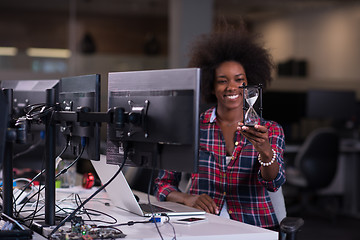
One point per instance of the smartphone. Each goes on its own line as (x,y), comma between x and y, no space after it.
(190,220)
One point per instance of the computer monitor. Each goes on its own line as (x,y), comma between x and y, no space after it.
(79,93)
(30,152)
(4,105)
(286,108)
(156,118)
(335,105)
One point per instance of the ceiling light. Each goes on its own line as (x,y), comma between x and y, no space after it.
(8,51)
(48,52)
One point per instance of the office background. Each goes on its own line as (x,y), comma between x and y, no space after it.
(134,35)
(315,44)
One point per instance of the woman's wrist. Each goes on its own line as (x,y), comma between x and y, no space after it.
(176,196)
(269,159)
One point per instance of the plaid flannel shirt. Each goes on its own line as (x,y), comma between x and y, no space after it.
(239,183)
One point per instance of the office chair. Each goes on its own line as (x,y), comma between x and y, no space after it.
(289,226)
(315,165)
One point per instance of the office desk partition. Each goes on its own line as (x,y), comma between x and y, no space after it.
(347,179)
(214,228)
(351,154)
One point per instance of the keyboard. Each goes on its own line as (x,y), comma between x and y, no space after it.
(156,209)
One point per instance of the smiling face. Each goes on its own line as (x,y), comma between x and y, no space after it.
(229,77)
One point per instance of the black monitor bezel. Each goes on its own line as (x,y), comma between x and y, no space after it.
(158,81)
(87,86)
(27,93)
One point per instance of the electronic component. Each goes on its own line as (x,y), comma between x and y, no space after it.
(87,232)
(79,231)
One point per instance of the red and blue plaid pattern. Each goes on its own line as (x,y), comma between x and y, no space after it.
(239,183)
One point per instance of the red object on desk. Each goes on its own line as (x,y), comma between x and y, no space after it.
(88,180)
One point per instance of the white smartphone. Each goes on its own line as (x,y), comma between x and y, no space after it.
(190,220)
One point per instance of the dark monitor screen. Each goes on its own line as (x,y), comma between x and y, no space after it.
(284,107)
(335,105)
(75,93)
(25,93)
(161,128)
(4,106)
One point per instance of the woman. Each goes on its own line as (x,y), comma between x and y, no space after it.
(238,164)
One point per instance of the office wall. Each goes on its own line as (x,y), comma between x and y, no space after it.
(119,39)
(328,39)
(114,34)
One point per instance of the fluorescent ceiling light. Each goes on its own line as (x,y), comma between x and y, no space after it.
(48,52)
(8,51)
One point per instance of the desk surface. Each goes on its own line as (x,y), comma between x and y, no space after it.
(214,228)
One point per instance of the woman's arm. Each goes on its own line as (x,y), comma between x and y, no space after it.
(269,141)
(166,189)
(259,137)
(203,201)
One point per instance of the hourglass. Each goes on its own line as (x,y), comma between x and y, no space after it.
(252,94)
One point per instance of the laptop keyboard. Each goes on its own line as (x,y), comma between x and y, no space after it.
(147,208)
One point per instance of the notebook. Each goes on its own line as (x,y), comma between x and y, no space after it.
(121,195)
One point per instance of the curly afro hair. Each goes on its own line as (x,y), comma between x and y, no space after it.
(209,51)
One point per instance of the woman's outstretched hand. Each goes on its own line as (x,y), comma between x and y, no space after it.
(258,136)
(203,202)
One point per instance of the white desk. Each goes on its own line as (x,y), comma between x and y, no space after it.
(214,228)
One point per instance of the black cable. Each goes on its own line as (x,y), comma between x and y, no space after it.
(152,210)
(38,192)
(30,149)
(17,213)
(99,213)
(43,171)
(129,223)
(64,170)
(102,213)
(34,212)
(84,209)
(168,222)
(89,212)
(36,206)
(149,202)
(69,217)
(43,111)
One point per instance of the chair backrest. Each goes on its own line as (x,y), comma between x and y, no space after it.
(278,202)
(318,157)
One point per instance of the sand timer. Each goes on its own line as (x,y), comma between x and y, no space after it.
(252,105)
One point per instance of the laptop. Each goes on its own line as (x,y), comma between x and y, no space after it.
(122,197)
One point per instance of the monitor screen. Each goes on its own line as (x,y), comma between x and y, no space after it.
(80,93)
(284,107)
(156,118)
(30,153)
(335,105)
(4,105)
